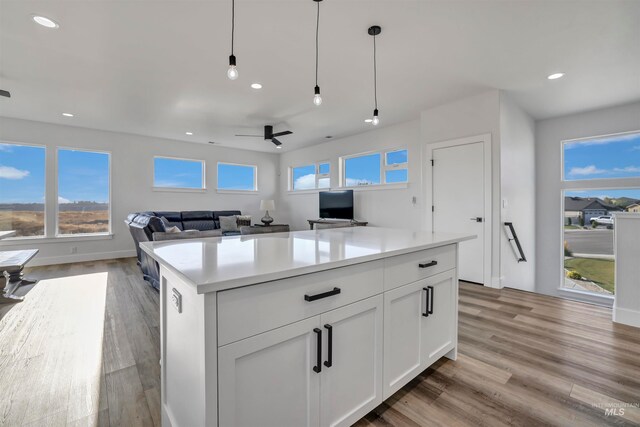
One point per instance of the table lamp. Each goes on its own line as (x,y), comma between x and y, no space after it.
(267,205)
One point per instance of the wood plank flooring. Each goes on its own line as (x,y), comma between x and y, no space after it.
(83,350)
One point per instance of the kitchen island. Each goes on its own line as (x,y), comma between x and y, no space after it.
(308,328)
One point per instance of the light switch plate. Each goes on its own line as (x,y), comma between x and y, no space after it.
(176,299)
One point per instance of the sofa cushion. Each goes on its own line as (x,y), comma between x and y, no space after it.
(172,219)
(218,214)
(190,234)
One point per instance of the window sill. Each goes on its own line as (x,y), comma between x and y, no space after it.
(398,186)
(310,191)
(20,241)
(180,190)
(250,192)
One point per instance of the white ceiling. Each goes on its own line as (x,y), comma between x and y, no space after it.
(158,68)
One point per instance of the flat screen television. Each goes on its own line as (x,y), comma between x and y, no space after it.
(336,204)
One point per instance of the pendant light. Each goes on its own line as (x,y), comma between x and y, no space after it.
(374,31)
(232,72)
(317,99)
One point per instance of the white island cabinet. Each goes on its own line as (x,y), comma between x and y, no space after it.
(308,328)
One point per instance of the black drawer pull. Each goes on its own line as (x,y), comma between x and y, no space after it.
(426,302)
(333,292)
(329,361)
(432,297)
(428,264)
(318,367)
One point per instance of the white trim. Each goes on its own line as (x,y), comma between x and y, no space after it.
(63,238)
(237,192)
(68,259)
(427,179)
(255,178)
(203,177)
(394,186)
(179,190)
(626,316)
(57,185)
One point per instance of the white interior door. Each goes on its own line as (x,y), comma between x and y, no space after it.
(459,203)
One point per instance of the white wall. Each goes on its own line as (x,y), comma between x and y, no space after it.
(471,116)
(381,207)
(549,135)
(517,178)
(132,180)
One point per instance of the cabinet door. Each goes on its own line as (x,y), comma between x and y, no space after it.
(403,322)
(439,328)
(351,380)
(269,380)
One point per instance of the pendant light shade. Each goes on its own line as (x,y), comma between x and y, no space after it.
(375,31)
(317,99)
(232,72)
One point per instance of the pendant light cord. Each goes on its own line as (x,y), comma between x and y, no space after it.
(233,22)
(375,74)
(317,31)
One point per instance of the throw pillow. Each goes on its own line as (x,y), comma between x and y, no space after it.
(229,223)
(244,220)
(173,229)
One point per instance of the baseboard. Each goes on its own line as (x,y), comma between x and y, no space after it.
(626,316)
(93,256)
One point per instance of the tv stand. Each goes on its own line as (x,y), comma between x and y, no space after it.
(353,222)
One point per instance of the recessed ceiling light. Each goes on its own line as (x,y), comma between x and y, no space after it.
(368,120)
(256,85)
(555,76)
(67,114)
(45,22)
(188,133)
(279,147)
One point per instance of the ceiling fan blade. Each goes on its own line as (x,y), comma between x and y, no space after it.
(5,93)
(275,141)
(286,132)
(254,136)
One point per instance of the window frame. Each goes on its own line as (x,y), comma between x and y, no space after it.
(203,187)
(604,184)
(45,234)
(232,191)
(317,174)
(56,194)
(384,167)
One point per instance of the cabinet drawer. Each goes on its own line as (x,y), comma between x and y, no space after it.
(254,309)
(408,268)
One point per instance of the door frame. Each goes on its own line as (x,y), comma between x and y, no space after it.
(485,139)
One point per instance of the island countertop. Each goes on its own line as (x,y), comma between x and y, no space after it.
(218,263)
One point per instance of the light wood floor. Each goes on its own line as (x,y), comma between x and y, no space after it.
(83,350)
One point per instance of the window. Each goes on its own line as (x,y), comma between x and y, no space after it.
(310,177)
(616,156)
(388,167)
(234,177)
(591,203)
(22,189)
(178,173)
(83,192)
(396,167)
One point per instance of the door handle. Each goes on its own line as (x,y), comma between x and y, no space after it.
(318,368)
(329,361)
(426,302)
(432,297)
(477,219)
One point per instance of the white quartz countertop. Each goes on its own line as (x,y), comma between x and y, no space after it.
(218,263)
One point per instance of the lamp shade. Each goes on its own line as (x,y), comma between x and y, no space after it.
(267,205)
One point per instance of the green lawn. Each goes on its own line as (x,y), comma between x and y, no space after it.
(572,227)
(599,271)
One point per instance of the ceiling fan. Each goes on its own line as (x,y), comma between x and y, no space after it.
(270,136)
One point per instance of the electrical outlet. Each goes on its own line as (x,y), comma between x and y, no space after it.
(176,299)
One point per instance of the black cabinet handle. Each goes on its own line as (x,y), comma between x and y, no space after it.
(333,292)
(426,302)
(428,264)
(329,361)
(318,367)
(432,297)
